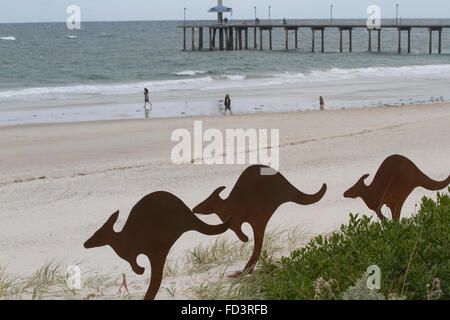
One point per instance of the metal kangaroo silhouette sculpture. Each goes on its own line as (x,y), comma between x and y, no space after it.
(254,199)
(153,226)
(396,178)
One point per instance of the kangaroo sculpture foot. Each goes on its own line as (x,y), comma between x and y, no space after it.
(235,275)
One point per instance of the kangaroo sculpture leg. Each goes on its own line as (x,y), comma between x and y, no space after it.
(398,210)
(379,214)
(258,244)
(258,234)
(241,235)
(136,268)
(157,261)
(401,202)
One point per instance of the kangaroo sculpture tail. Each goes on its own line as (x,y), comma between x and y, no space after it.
(306,199)
(211,230)
(431,184)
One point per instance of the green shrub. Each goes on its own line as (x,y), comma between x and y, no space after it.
(413,255)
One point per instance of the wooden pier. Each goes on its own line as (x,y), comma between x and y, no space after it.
(235,36)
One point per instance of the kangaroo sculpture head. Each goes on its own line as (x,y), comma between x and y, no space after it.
(211,204)
(357,189)
(101,236)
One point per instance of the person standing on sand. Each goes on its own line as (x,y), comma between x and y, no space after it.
(147,111)
(227,104)
(322,103)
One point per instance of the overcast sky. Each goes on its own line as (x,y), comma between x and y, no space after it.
(112,10)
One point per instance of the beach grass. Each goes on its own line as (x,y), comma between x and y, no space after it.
(219,256)
(223,251)
(99,282)
(10,287)
(50,281)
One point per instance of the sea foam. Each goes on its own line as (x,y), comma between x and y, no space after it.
(224,82)
(189,72)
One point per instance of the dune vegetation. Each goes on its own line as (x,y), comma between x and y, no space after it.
(413,255)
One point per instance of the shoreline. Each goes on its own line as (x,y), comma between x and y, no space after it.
(211,116)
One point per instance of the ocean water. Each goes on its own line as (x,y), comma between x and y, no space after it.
(51,74)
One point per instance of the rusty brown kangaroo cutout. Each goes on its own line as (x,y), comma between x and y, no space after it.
(254,199)
(396,178)
(153,226)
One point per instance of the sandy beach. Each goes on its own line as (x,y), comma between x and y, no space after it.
(60,182)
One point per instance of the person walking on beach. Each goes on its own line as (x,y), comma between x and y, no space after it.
(147,111)
(322,103)
(227,104)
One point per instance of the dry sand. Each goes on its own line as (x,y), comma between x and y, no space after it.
(60,182)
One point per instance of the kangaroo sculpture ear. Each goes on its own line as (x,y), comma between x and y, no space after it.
(113,218)
(219,190)
(364,177)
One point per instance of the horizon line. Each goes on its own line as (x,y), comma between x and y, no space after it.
(251,19)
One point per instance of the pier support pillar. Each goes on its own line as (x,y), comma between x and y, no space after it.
(296,38)
(246,38)
(370,40)
(340,40)
(313,40)
(270,39)
(440,41)
(399,41)
(221,44)
(210,40)
(430,41)
(193,38)
(200,38)
(184,38)
(379,40)
(323,39)
(255,38)
(350,47)
(409,40)
(287,39)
